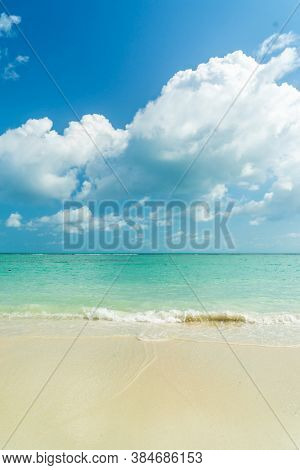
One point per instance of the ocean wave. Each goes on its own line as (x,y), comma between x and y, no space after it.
(190,316)
(163,316)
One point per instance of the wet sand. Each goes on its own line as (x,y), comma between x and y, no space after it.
(122,393)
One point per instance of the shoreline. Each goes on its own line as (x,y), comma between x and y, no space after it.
(235,332)
(117,392)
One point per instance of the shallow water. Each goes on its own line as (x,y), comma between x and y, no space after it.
(248,297)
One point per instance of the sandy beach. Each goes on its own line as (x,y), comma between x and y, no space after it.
(122,393)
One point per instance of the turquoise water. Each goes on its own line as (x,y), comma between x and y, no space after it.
(253,289)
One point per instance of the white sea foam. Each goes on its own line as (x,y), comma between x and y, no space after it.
(190,316)
(172,316)
(278,329)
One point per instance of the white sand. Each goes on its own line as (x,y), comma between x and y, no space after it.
(122,393)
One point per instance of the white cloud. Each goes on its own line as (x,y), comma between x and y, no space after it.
(69,220)
(22,59)
(14,220)
(80,215)
(7,22)
(277,42)
(77,219)
(256,144)
(84,192)
(9,69)
(9,72)
(256,147)
(36,161)
(257,221)
(294,235)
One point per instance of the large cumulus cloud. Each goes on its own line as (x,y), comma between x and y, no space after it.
(36,161)
(254,154)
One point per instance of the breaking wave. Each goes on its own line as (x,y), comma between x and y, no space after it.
(189,316)
(163,316)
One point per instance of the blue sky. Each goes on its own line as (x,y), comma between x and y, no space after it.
(111,59)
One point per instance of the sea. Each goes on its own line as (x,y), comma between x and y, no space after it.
(237,298)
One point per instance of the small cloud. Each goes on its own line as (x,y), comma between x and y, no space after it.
(7,22)
(293,235)
(257,221)
(10,72)
(14,220)
(70,220)
(277,42)
(22,59)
